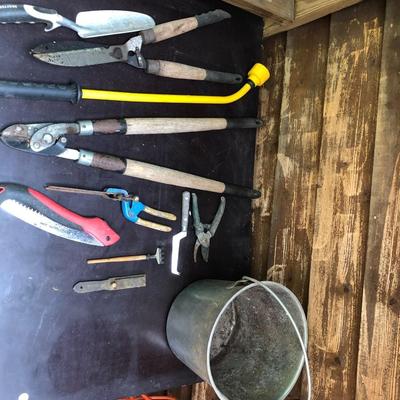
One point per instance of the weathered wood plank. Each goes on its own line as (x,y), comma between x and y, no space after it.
(181,393)
(266,151)
(296,173)
(342,207)
(276,9)
(203,391)
(379,351)
(306,11)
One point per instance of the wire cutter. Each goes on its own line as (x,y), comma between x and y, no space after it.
(130,204)
(204,232)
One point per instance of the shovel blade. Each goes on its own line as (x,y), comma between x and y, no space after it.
(111,22)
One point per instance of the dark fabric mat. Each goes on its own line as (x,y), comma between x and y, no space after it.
(56,344)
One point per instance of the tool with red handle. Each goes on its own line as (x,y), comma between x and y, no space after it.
(40,211)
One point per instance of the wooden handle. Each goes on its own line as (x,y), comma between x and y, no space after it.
(153,225)
(175,70)
(116,259)
(155,173)
(160,214)
(180,26)
(147,126)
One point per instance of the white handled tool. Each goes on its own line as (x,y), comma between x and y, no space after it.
(176,240)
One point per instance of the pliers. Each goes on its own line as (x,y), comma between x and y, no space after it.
(204,232)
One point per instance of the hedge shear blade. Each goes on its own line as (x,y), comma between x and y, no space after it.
(204,232)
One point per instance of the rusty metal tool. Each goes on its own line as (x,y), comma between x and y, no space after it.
(80,54)
(158,256)
(204,232)
(113,284)
(176,240)
(45,139)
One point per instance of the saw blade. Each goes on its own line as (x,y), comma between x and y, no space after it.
(38,220)
(77,54)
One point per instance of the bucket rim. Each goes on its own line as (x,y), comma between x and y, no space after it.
(236,294)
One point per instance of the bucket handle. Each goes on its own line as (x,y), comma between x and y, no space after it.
(246,279)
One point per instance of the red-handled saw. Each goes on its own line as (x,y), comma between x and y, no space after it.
(40,211)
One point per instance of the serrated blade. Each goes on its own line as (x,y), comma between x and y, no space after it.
(78,54)
(38,220)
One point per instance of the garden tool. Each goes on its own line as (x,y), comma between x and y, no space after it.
(158,256)
(130,204)
(204,232)
(257,76)
(113,284)
(51,140)
(88,23)
(80,54)
(176,240)
(38,210)
(147,126)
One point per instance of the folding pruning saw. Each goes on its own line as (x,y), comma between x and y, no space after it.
(40,211)
(51,139)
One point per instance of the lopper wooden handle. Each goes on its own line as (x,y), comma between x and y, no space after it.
(116,259)
(175,70)
(148,126)
(180,26)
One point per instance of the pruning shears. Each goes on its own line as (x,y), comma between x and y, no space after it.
(130,205)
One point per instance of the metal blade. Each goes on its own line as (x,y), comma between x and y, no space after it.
(38,220)
(78,54)
(111,22)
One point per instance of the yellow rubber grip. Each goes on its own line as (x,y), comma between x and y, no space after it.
(258,75)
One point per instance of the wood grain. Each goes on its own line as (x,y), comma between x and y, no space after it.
(305,12)
(378,375)
(276,9)
(266,151)
(203,391)
(296,173)
(155,173)
(342,207)
(146,126)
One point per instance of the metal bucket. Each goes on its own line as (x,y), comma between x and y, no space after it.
(239,338)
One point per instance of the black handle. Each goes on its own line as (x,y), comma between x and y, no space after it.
(212,17)
(40,91)
(222,77)
(243,123)
(18,13)
(241,191)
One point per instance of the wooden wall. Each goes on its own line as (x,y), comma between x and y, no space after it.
(328,222)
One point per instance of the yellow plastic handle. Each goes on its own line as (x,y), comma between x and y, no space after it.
(257,76)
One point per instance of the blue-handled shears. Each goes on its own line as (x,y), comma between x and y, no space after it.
(130,205)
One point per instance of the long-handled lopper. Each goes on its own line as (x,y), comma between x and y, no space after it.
(51,140)
(257,76)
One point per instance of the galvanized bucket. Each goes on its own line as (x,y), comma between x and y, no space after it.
(239,338)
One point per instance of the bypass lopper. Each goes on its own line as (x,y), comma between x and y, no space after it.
(51,139)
